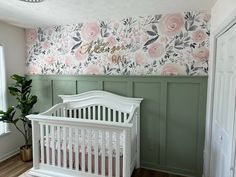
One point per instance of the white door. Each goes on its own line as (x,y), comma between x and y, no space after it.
(223,143)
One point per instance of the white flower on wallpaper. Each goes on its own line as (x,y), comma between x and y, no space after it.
(170,44)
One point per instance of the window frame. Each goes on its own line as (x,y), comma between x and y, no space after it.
(3,88)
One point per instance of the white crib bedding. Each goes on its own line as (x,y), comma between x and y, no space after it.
(86,142)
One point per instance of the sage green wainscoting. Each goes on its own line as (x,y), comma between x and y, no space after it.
(172,114)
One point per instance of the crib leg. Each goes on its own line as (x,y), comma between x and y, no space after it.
(137,165)
(127,154)
(35,142)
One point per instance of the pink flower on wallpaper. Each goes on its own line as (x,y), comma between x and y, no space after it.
(207,17)
(49,60)
(32,70)
(126,41)
(172,70)
(163,39)
(46,45)
(171,24)
(137,39)
(144,38)
(90,31)
(68,61)
(199,36)
(201,54)
(79,55)
(31,35)
(93,70)
(115,24)
(111,41)
(139,58)
(156,50)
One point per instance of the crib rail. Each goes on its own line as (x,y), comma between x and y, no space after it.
(83,146)
(97,112)
(91,112)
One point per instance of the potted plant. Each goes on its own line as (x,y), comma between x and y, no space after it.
(21,90)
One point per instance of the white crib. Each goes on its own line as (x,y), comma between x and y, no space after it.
(93,134)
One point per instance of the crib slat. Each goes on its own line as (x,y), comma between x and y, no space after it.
(99,112)
(125,116)
(103,113)
(75,113)
(42,143)
(70,113)
(103,153)
(114,115)
(89,113)
(94,112)
(64,112)
(117,154)
(96,152)
(60,112)
(109,114)
(64,148)
(59,146)
(47,144)
(89,151)
(53,144)
(76,149)
(110,155)
(70,148)
(83,149)
(80,114)
(119,116)
(84,113)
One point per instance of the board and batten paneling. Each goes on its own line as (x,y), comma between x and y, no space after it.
(172,114)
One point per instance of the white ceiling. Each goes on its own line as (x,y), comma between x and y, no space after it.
(55,12)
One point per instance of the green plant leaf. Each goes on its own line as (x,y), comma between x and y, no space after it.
(17,78)
(14,91)
(21,89)
(15,121)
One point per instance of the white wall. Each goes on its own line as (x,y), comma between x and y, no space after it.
(13,40)
(221,10)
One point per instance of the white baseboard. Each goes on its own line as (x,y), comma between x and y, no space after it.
(9,154)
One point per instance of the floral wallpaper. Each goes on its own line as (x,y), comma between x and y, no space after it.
(168,44)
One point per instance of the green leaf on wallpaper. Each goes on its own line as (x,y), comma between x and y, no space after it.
(154,63)
(151,41)
(181,35)
(186,25)
(151,33)
(154,28)
(186,68)
(187,39)
(76,46)
(158,17)
(76,39)
(192,28)
(106,34)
